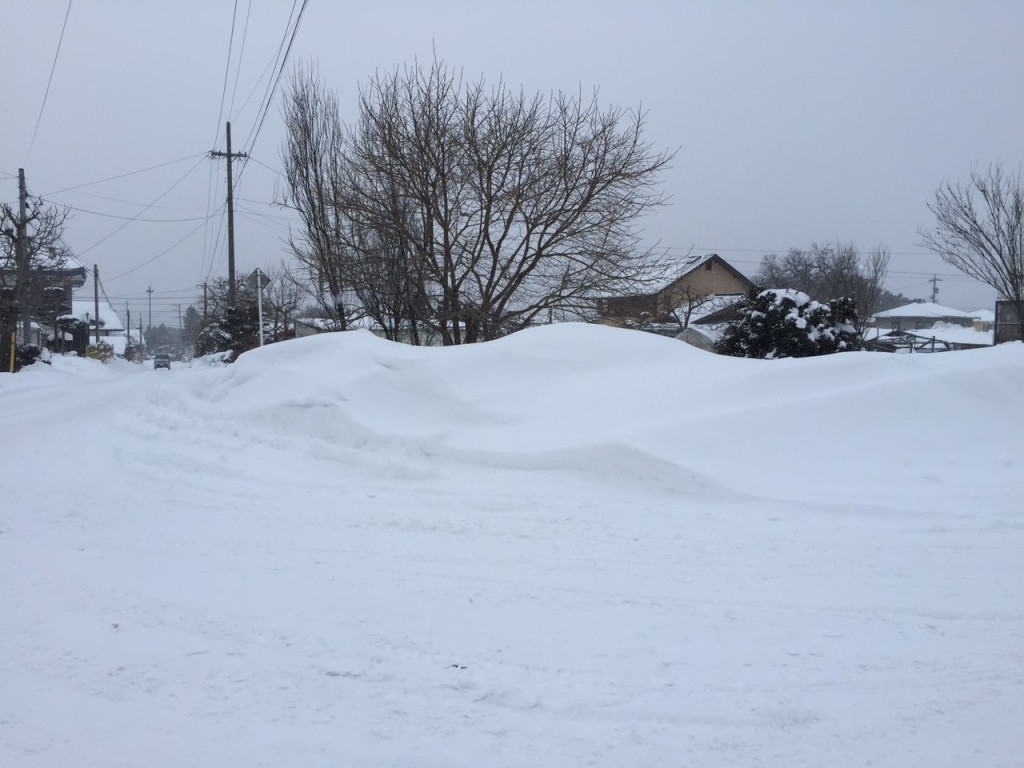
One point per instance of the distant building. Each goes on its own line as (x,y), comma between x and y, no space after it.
(911,317)
(694,283)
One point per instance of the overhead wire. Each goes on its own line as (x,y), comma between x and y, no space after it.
(124,175)
(49,81)
(162,253)
(134,218)
(136,203)
(274,61)
(227,68)
(276,80)
(77,209)
(241,55)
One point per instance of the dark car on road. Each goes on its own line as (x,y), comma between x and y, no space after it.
(162,361)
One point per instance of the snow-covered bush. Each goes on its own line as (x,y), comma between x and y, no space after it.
(213,338)
(786,323)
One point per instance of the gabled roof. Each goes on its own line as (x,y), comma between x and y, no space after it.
(692,264)
(108,317)
(924,309)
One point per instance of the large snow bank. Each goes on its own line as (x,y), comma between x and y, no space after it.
(573,546)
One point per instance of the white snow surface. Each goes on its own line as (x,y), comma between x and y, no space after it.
(574,546)
(954,334)
(923,309)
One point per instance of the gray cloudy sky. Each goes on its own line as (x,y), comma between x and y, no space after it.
(796,122)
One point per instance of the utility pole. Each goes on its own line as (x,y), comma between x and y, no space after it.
(21,258)
(128,325)
(935,287)
(204,303)
(231,215)
(150,292)
(181,333)
(96,298)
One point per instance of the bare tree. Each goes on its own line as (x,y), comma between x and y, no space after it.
(690,300)
(313,157)
(475,209)
(979,229)
(827,272)
(282,298)
(33,253)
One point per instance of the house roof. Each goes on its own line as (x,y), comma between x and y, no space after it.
(924,309)
(984,315)
(692,264)
(706,311)
(108,317)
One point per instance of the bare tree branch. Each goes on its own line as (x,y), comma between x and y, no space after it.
(983,241)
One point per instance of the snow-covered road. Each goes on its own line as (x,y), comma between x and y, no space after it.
(575,546)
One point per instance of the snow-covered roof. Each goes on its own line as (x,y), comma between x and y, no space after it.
(924,309)
(108,317)
(984,315)
(714,303)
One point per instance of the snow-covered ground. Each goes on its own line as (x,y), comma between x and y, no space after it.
(575,546)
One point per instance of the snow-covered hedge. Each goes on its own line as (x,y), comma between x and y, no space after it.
(786,323)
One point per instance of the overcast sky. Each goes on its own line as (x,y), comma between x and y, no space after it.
(795,122)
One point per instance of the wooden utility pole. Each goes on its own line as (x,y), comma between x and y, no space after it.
(96,298)
(231,215)
(150,292)
(935,287)
(21,259)
(204,303)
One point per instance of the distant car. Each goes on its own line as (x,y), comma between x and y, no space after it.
(162,361)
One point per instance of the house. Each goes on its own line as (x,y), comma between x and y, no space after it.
(110,323)
(984,319)
(920,315)
(55,288)
(694,283)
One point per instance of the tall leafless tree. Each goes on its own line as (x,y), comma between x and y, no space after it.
(313,156)
(480,209)
(979,229)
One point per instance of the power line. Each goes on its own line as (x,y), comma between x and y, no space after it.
(128,218)
(124,175)
(280,71)
(134,218)
(162,253)
(227,68)
(46,95)
(136,203)
(241,55)
(272,170)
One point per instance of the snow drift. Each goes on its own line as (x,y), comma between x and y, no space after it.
(572,546)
